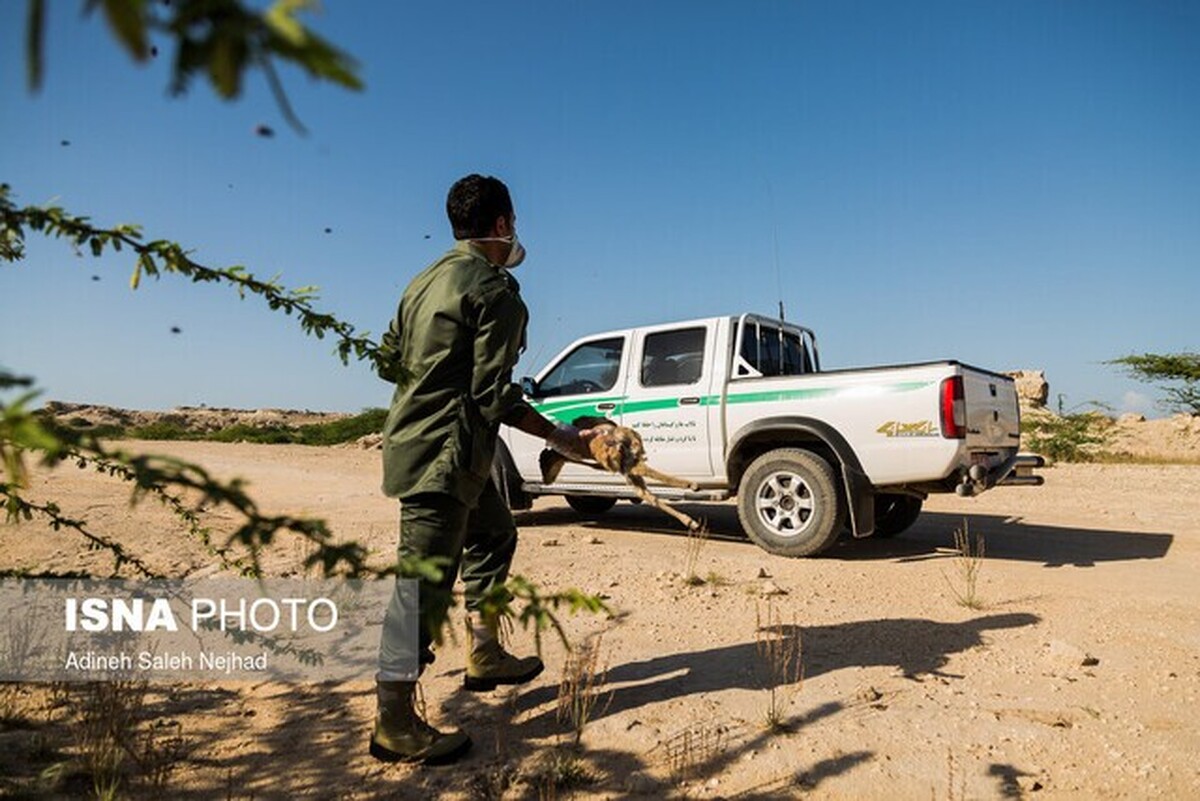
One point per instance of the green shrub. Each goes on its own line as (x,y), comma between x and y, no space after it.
(108,431)
(240,432)
(59,429)
(348,429)
(334,432)
(161,430)
(1075,437)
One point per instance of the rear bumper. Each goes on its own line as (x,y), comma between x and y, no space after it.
(1015,471)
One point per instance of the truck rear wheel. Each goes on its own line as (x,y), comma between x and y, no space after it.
(590,504)
(788,503)
(895,513)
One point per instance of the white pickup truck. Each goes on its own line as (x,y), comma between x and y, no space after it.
(741,407)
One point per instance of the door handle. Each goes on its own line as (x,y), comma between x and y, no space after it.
(689,401)
(605,407)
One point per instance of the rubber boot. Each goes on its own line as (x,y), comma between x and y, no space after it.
(402,735)
(489,665)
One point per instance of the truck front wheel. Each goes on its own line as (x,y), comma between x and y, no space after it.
(788,503)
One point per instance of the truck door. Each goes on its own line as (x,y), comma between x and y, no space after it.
(668,395)
(585,381)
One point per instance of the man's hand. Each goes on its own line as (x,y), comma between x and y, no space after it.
(570,441)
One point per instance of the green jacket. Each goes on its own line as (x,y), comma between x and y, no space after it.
(459,331)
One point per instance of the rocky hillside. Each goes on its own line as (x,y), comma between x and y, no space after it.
(201,419)
(1132,436)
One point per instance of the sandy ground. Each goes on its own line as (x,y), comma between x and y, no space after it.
(1078,678)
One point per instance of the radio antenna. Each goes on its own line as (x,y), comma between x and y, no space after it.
(775,244)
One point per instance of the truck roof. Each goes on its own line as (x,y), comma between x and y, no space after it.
(762,318)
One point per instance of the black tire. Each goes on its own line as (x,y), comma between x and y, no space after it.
(894,514)
(788,503)
(590,504)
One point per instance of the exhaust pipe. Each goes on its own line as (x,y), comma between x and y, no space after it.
(1022,481)
(1017,471)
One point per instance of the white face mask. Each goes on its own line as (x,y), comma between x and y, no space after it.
(516,254)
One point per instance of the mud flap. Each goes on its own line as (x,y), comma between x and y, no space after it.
(860,497)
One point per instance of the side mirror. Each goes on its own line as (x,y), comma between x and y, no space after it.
(529,387)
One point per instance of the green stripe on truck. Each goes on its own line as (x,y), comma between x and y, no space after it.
(568,410)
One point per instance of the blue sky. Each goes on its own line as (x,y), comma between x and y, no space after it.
(1012,184)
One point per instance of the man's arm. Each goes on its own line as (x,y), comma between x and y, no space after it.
(389,367)
(525,418)
(499,318)
(567,440)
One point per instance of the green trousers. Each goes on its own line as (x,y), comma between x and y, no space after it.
(479,541)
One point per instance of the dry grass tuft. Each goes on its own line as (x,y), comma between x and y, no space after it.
(779,662)
(968,562)
(688,752)
(693,547)
(558,770)
(116,748)
(581,691)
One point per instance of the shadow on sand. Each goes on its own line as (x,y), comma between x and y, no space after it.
(316,748)
(1007,537)
(913,646)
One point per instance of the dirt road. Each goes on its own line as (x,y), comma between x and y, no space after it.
(1077,677)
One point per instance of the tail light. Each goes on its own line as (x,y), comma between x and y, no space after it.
(954,410)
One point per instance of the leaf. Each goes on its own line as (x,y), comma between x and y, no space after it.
(127,18)
(320,58)
(224,66)
(281,19)
(34,39)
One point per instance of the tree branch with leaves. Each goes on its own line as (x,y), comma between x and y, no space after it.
(158,256)
(223,40)
(1179,371)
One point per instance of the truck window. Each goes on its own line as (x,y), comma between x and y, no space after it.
(774,352)
(673,357)
(591,367)
(793,354)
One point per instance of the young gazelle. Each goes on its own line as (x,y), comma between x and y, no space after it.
(619,449)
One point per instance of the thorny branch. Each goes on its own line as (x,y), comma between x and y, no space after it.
(158,256)
(169,478)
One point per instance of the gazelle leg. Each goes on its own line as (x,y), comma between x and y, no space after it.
(646,495)
(646,471)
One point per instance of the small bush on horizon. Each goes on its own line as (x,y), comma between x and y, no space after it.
(160,431)
(348,429)
(1071,437)
(241,432)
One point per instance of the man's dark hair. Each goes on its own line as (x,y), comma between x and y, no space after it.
(474,203)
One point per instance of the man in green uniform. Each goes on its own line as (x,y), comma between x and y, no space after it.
(456,338)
